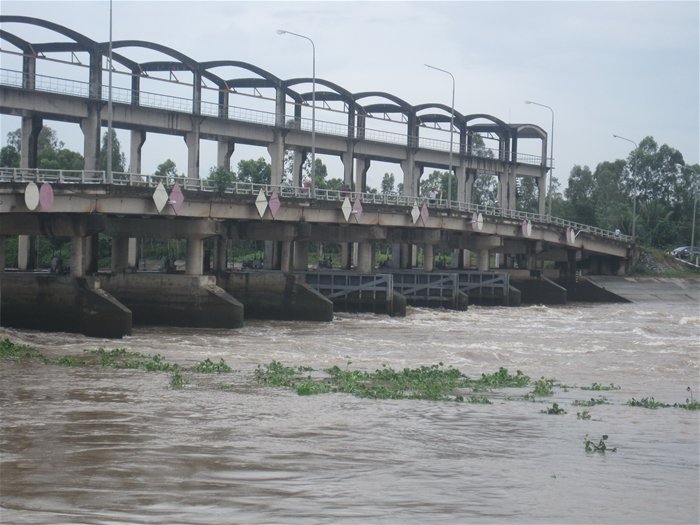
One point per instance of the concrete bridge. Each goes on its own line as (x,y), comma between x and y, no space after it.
(532,249)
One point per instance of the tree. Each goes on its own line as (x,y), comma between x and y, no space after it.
(255,171)
(221,178)
(118,158)
(485,190)
(167,169)
(579,195)
(9,157)
(388,183)
(51,153)
(528,195)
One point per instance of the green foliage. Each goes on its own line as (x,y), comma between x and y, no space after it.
(544,387)
(591,402)
(17,352)
(118,158)
(554,410)
(9,157)
(221,178)
(598,387)
(388,183)
(502,379)
(177,380)
(51,153)
(647,402)
(585,415)
(256,171)
(68,360)
(168,170)
(209,367)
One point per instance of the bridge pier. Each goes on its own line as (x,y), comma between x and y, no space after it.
(120,253)
(428,258)
(194,261)
(91,127)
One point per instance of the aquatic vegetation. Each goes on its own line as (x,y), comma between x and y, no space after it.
(68,360)
(177,380)
(688,405)
(17,352)
(591,446)
(598,386)
(121,358)
(544,387)
(585,415)
(209,367)
(502,379)
(647,402)
(600,400)
(554,410)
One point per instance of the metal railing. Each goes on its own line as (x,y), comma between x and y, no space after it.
(120,95)
(25,175)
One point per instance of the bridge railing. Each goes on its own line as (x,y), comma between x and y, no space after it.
(25,175)
(65,86)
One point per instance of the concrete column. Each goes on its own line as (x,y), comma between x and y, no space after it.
(120,254)
(90,127)
(542,193)
(297,168)
(26,253)
(428,258)
(395,259)
(77,257)
(91,253)
(134,253)
(347,159)
(29,148)
(224,150)
(276,150)
(138,137)
(361,167)
(345,255)
(287,253)
(482,263)
(272,256)
(194,261)
(411,175)
(2,254)
(192,141)
(301,255)
(364,257)
(465,259)
(220,259)
(405,256)
(512,189)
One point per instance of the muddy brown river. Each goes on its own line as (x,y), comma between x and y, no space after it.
(114,446)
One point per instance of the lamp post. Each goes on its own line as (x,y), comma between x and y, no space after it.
(452,117)
(551,153)
(313,99)
(634,188)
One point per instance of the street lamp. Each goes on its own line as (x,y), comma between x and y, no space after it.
(313,99)
(634,188)
(551,153)
(452,117)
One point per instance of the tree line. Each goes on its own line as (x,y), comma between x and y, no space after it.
(653,180)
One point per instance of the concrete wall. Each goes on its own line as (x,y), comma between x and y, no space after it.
(277,295)
(61,304)
(174,300)
(540,291)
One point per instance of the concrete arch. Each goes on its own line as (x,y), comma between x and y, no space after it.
(459,120)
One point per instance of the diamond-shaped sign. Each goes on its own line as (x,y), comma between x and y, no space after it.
(357,209)
(274,204)
(526,228)
(424,214)
(477,221)
(31,196)
(160,197)
(415,212)
(46,196)
(176,198)
(261,202)
(347,208)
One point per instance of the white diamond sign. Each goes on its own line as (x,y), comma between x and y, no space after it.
(347,209)
(160,197)
(415,212)
(261,202)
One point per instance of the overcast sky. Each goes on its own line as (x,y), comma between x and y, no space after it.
(629,68)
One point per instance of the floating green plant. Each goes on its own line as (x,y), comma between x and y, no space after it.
(598,386)
(503,379)
(68,360)
(17,352)
(647,402)
(600,400)
(554,410)
(585,415)
(544,387)
(209,367)
(177,380)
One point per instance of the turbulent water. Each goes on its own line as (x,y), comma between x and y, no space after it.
(103,445)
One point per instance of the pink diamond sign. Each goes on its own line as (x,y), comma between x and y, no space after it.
(357,209)
(274,204)
(46,196)
(176,198)
(424,214)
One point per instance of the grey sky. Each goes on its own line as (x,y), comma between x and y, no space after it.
(630,68)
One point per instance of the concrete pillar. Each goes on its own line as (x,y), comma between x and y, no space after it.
(90,127)
(26,253)
(77,257)
(287,253)
(297,168)
(345,255)
(301,255)
(224,150)
(192,141)
(91,253)
(120,254)
(138,138)
(465,259)
(428,258)
(482,263)
(347,159)
(29,147)
(272,255)
(395,259)
(542,193)
(2,254)
(194,261)
(361,167)
(405,256)
(134,253)
(276,150)
(220,259)
(411,175)
(364,257)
